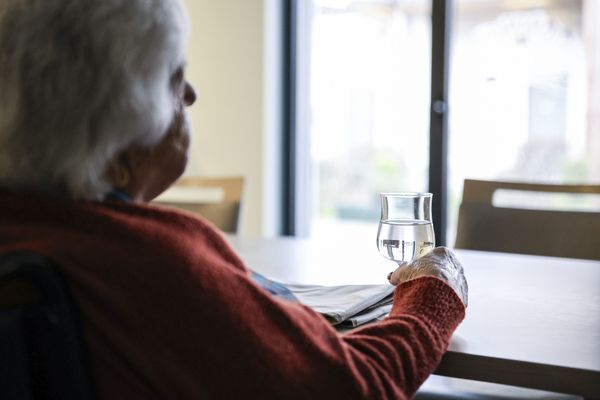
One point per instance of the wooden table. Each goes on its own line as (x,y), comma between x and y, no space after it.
(532,321)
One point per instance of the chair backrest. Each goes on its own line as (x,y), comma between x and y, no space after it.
(42,353)
(225,213)
(483,226)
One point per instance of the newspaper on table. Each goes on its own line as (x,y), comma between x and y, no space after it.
(343,306)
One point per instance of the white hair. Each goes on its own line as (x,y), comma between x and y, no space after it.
(80,80)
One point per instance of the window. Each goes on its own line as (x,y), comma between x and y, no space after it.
(524,101)
(368,109)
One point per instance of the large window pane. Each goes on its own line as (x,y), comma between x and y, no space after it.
(524,93)
(369,91)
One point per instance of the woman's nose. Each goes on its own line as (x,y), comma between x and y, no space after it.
(189,95)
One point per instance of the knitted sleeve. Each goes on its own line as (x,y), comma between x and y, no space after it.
(392,358)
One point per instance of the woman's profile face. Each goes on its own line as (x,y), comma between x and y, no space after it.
(150,171)
(170,156)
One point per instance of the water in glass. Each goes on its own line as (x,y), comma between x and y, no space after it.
(405,240)
(405,227)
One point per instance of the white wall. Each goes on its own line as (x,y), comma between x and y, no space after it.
(232,65)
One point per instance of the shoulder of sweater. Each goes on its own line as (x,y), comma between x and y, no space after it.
(180,227)
(120,225)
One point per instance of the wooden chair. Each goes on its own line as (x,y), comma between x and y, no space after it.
(42,352)
(224,213)
(483,226)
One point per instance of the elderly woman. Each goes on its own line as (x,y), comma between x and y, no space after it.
(93,126)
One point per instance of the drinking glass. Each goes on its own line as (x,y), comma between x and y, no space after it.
(405,229)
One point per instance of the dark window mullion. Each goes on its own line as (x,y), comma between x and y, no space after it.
(288,204)
(441,16)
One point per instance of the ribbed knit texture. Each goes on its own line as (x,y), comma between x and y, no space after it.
(169,312)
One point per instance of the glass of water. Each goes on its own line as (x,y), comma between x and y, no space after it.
(405,229)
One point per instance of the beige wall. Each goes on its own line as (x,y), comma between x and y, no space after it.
(231,122)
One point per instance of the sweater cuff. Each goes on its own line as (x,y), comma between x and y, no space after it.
(432,299)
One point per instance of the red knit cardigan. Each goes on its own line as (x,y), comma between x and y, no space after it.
(169,312)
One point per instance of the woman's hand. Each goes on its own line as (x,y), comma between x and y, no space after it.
(440,262)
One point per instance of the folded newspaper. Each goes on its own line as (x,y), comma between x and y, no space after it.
(343,306)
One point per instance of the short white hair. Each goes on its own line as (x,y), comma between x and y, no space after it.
(80,80)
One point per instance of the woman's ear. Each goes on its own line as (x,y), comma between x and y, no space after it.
(118,171)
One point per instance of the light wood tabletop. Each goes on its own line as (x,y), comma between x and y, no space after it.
(532,321)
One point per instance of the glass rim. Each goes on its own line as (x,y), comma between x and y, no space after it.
(406,194)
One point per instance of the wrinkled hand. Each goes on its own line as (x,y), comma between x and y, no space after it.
(440,262)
